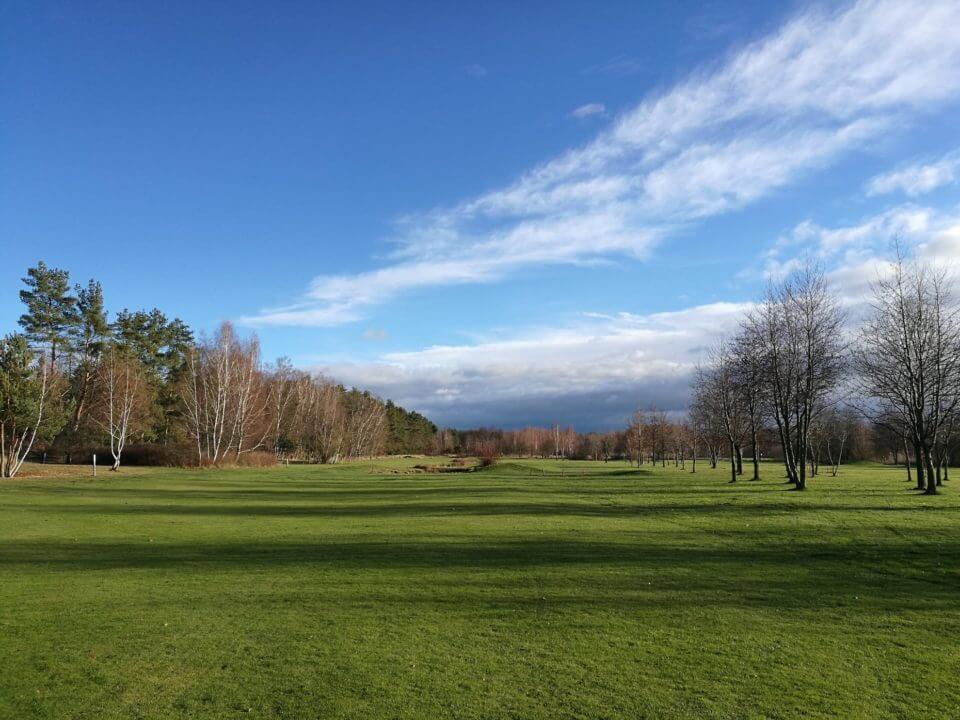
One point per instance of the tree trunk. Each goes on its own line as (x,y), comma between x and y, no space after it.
(906,461)
(918,465)
(836,465)
(931,478)
(802,472)
(733,462)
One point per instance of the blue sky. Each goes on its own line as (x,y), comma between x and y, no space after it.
(504,214)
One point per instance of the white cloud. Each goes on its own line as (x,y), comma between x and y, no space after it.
(917,179)
(944,246)
(870,234)
(476,70)
(589,110)
(614,362)
(597,369)
(857,255)
(852,279)
(824,84)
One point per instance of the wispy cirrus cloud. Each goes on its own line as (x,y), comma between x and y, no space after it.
(919,178)
(589,110)
(826,83)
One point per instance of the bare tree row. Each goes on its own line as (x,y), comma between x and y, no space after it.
(797,366)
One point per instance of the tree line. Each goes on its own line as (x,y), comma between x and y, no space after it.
(799,367)
(73,382)
(797,382)
(656,437)
(801,382)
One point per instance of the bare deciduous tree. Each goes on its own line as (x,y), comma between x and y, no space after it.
(836,427)
(121,400)
(636,438)
(319,424)
(798,331)
(719,394)
(281,392)
(224,397)
(748,378)
(909,359)
(366,422)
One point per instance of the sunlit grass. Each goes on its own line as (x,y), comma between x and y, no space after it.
(536,589)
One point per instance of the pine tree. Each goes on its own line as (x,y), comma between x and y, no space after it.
(88,339)
(51,309)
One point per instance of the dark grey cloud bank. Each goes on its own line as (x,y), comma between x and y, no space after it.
(591,374)
(599,410)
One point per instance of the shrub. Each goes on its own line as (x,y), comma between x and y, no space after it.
(487,451)
(172,455)
(258,458)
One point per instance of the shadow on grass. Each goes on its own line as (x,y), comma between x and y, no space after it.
(896,575)
(463,506)
(334,494)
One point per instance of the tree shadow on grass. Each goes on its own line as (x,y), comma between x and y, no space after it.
(462,506)
(896,575)
(333,494)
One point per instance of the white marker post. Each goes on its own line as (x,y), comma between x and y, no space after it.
(94,464)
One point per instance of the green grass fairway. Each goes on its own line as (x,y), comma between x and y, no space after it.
(532,590)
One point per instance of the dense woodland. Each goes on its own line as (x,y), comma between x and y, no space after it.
(140,387)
